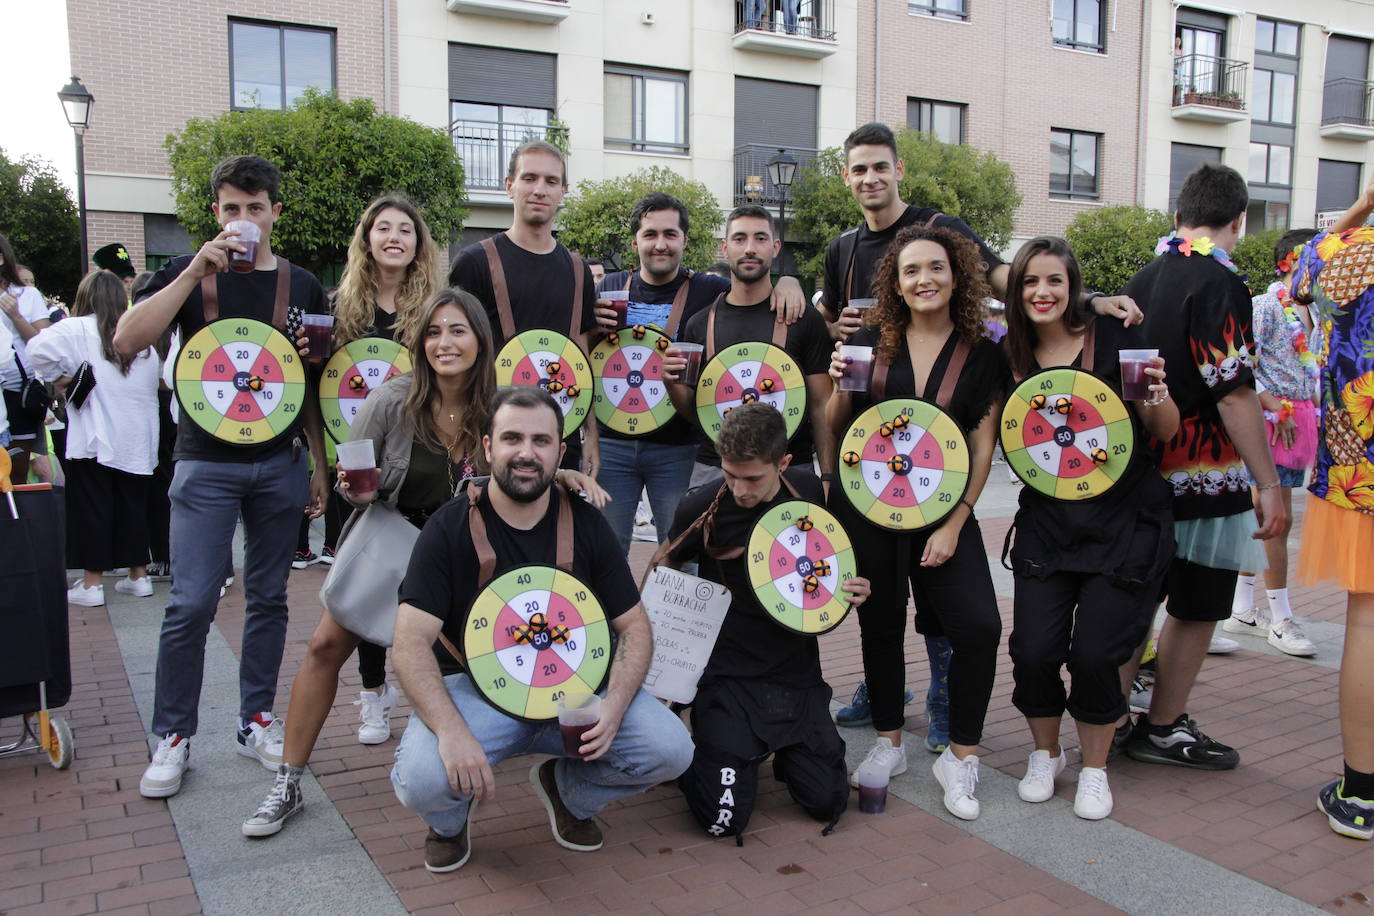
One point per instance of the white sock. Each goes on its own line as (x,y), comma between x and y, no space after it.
(1279,611)
(1245,595)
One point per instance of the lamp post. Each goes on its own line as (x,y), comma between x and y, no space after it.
(76,105)
(782,169)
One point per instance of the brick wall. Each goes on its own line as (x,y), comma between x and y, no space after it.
(104,227)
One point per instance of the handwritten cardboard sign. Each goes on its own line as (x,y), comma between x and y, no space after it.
(686,613)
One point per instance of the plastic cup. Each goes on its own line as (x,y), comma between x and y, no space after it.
(319,332)
(858,363)
(577,712)
(694,353)
(620,301)
(357,461)
(1135,384)
(861,305)
(872,790)
(248,236)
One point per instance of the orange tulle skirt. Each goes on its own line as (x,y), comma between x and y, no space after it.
(1337,547)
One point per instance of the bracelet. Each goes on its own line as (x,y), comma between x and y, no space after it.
(968,504)
(1286,410)
(1155,402)
(1266,486)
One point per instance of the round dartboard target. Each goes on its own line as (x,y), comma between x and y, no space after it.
(1067,434)
(533,634)
(351,374)
(629,393)
(799,557)
(241,381)
(552,362)
(750,373)
(904,464)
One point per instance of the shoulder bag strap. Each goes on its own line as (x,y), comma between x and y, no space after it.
(679,305)
(575,330)
(499,291)
(952,373)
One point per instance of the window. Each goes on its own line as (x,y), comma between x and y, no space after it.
(1078,24)
(1276,37)
(1073,163)
(1274,95)
(941,9)
(646,110)
(1270,163)
(486,135)
(1183,158)
(943,119)
(270,66)
(1263,215)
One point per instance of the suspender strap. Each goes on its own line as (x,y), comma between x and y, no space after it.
(575,330)
(486,556)
(778,340)
(877,386)
(209,295)
(1089,347)
(499,290)
(854,255)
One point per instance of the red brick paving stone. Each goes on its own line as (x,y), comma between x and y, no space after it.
(1024,905)
(66,906)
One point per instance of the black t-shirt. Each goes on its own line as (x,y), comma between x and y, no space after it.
(870,248)
(442,576)
(383,323)
(751,644)
(651,305)
(981,387)
(250,295)
(808,342)
(1197,312)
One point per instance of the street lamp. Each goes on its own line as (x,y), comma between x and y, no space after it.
(76,105)
(782,168)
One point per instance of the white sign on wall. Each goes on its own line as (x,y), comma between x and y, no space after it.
(686,613)
(1327,218)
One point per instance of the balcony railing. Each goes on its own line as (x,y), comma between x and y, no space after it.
(1348,101)
(751,172)
(1214,81)
(485,148)
(803,18)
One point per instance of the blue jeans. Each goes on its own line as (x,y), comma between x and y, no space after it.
(629,466)
(789,14)
(651,747)
(207,499)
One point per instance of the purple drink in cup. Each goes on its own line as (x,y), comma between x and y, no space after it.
(694,353)
(248,236)
(363,480)
(319,332)
(872,790)
(577,713)
(620,301)
(1135,384)
(858,363)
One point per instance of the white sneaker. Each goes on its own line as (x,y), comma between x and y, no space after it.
(82,596)
(959,779)
(139,588)
(1041,771)
(170,762)
(1141,697)
(1093,800)
(263,741)
(120,571)
(1220,645)
(1287,636)
(1249,622)
(376,713)
(882,756)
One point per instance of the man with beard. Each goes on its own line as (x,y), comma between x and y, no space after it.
(445,758)
(741,315)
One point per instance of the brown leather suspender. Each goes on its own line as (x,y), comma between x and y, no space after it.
(878,385)
(209,295)
(501,291)
(779,330)
(854,256)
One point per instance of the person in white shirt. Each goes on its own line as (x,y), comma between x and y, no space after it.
(6,365)
(111,438)
(23,313)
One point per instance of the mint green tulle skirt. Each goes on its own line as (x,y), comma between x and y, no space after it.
(1221,543)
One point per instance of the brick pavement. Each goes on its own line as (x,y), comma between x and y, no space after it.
(83,840)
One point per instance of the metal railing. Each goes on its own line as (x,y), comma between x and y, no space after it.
(1348,101)
(485,148)
(1216,81)
(751,172)
(805,18)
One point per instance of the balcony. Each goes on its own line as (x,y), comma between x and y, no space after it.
(751,172)
(1210,89)
(549,12)
(800,28)
(1348,109)
(485,148)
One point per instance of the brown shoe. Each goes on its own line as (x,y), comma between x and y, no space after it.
(450,853)
(571,833)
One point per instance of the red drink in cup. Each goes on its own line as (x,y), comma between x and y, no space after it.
(363,480)
(319,333)
(620,301)
(572,738)
(858,363)
(872,790)
(1135,384)
(248,236)
(577,713)
(693,352)
(359,466)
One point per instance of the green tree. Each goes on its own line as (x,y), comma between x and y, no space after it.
(595,219)
(958,180)
(1112,243)
(335,157)
(39,219)
(1254,255)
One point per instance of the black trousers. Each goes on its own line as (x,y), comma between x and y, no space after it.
(736,724)
(107,516)
(159,503)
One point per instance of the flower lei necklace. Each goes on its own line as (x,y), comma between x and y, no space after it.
(1306,358)
(1202,245)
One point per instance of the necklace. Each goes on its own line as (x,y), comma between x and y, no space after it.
(1201,245)
(1298,331)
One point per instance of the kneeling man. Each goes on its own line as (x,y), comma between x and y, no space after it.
(445,758)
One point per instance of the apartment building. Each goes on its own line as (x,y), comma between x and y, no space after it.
(1279,91)
(1051,87)
(710,88)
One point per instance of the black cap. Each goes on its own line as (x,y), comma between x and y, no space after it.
(114,257)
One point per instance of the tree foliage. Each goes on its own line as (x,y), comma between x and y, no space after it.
(595,220)
(42,224)
(1254,255)
(1112,243)
(335,157)
(958,180)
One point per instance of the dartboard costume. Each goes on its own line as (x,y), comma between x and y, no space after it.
(762,691)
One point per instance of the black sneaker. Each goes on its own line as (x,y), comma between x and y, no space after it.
(568,831)
(327,556)
(1119,739)
(160,572)
(1184,746)
(303,558)
(283,801)
(1352,817)
(450,853)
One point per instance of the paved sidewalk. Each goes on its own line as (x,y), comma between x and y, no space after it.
(1250,840)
